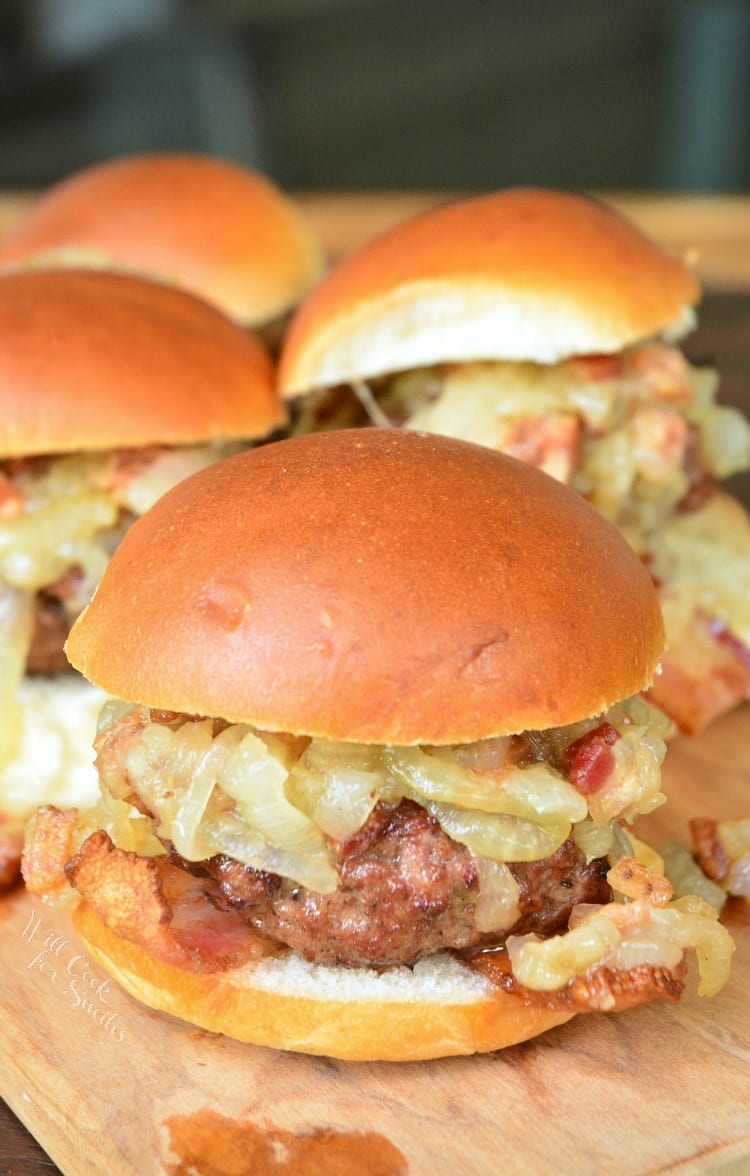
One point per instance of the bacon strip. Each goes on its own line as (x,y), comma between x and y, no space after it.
(712,857)
(178,918)
(595,368)
(111,746)
(11,499)
(589,760)
(551,443)
(602,990)
(47,850)
(664,371)
(639,883)
(708,675)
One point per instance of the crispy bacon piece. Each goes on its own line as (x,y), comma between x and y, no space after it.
(664,371)
(111,746)
(726,638)
(589,760)
(11,498)
(638,883)
(601,990)
(610,991)
(128,464)
(709,676)
(594,368)
(606,990)
(712,857)
(551,443)
(47,849)
(178,918)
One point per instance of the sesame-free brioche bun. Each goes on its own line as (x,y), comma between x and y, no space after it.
(92,360)
(373,586)
(522,274)
(218,230)
(437,1009)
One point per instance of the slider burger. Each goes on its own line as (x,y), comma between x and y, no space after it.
(219,231)
(544,325)
(112,389)
(363,791)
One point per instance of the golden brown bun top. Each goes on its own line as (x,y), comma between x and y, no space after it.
(93,360)
(374,586)
(523,274)
(218,230)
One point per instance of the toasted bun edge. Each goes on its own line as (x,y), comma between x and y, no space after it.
(351,1029)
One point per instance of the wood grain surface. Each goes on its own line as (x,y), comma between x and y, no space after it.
(110,1087)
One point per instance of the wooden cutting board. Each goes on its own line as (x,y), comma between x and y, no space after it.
(110,1087)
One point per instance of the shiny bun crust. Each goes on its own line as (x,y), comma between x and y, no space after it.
(93,360)
(373,585)
(433,1018)
(217,230)
(524,274)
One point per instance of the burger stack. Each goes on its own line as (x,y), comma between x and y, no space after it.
(543,325)
(114,387)
(375,735)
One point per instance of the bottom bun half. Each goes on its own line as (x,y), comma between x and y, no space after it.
(439,1008)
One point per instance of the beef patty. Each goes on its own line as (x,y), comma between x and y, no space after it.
(55,609)
(405,890)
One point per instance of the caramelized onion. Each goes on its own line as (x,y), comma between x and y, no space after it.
(626,454)
(290,795)
(594,841)
(687,877)
(498,905)
(634,786)
(497,836)
(345,803)
(549,964)
(255,780)
(622,936)
(534,792)
(226,795)
(37,547)
(688,922)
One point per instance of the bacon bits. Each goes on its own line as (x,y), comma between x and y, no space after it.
(589,760)
(47,849)
(712,857)
(638,883)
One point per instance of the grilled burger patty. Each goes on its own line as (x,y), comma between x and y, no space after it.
(406,890)
(51,626)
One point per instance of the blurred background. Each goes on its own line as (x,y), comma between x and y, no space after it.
(363,94)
